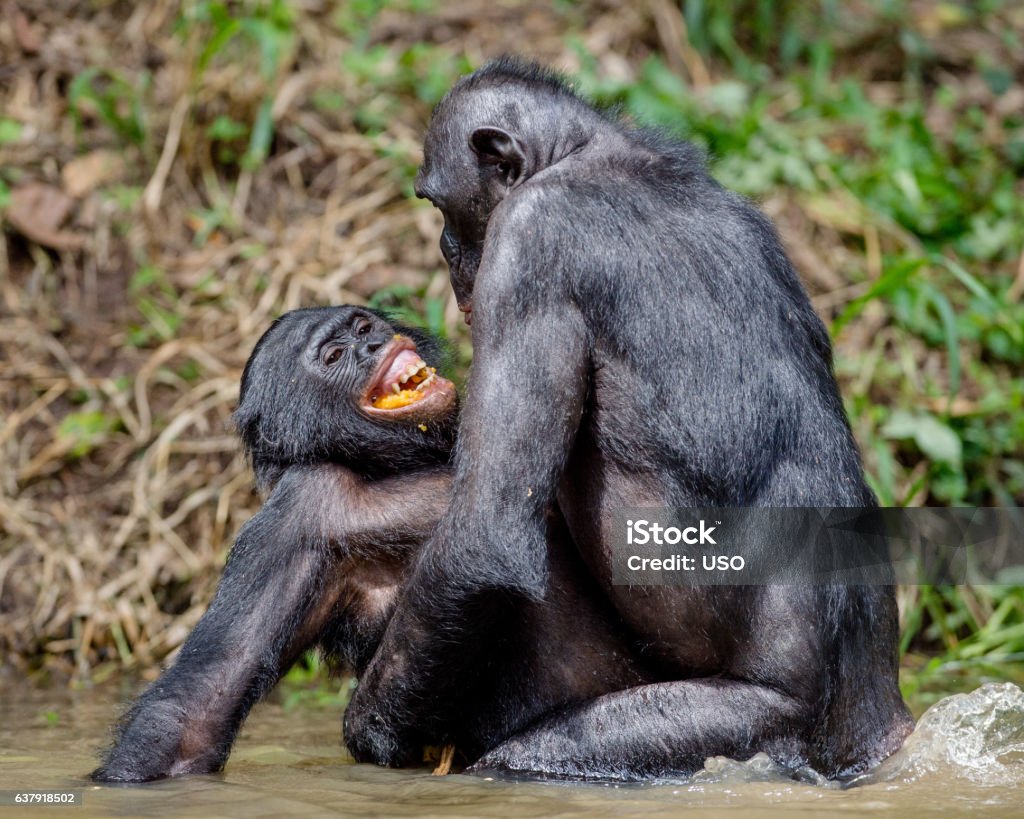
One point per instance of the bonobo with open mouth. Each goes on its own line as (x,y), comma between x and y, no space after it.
(330,396)
(317,364)
(350,431)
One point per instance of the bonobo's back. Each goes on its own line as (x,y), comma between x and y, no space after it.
(672,358)
(693,310)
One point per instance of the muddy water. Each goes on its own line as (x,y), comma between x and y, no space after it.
(967,754)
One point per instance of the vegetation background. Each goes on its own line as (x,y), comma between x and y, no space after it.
(173,175)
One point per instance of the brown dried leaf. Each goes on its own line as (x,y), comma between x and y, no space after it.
(37,210)
(27,35)
(82,175)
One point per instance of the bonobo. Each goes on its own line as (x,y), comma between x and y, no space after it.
(640,339)
(350,433)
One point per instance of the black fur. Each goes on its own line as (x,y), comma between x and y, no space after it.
(640,337)
(323,564)
(277,429)
(322,560)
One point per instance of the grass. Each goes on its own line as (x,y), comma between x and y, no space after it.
(268,153)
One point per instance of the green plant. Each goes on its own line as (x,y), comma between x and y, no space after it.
(85,430)
(109,96)
(10,130)
(310,683)
(157,301)
(262,32)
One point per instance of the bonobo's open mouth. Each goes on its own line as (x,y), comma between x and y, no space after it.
(403,385)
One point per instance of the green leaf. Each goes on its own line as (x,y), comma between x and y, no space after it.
(966,279)
(895,278)
(948,318)
(224,32)
(934,438)
(938,441)
(901,424)
(262,135)
(86,429)
(10,130)
(226,129)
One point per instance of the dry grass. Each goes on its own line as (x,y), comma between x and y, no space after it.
(121,480)
(142,257)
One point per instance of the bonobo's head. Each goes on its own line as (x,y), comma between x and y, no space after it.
(343,384)
(494,130)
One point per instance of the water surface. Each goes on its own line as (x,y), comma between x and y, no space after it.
(967,754)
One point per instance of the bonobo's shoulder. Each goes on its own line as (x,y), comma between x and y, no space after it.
(632,160)
(527,201)
(684,157)
(657,164)
(542,198)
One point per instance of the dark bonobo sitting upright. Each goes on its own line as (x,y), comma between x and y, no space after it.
(640,338)
(350,433)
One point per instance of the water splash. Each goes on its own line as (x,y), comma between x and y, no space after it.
(977,736)
(721,770)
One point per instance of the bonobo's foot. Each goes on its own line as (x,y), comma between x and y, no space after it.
(125,770)
(547,755)
(653,731)
(517,756)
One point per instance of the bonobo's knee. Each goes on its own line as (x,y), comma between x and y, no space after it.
(371,738)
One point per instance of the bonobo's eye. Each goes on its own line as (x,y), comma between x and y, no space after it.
(361,327)
(331,354)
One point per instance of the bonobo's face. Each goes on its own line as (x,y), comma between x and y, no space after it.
(342,383)
(466,203)
(467,170)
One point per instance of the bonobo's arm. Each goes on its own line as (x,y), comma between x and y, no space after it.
(281,587)
(525,401)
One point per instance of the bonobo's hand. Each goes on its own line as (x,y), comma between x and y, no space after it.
(374,732)
(154,744)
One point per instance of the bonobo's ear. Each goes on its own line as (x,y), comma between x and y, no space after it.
(500,148)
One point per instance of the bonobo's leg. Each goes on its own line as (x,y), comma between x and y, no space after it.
(283,584)
(665,729)
(492,541)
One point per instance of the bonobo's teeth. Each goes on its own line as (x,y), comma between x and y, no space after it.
(398,371)
(395,388)
(426,382)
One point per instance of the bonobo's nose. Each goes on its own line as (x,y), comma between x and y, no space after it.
(369,346)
